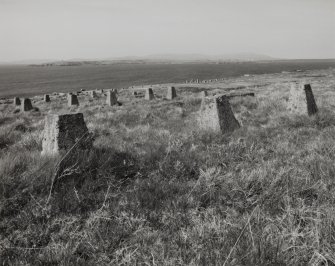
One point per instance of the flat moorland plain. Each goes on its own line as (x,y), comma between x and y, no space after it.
(156,190)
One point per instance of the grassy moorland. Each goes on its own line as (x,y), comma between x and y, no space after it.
(156,190)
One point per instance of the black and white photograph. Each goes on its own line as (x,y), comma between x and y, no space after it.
(163,133)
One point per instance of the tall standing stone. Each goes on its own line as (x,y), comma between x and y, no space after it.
(301,100)
(216,114)
(46,98)
(26,105)
(111,98)
(17,101)
(72,100)
(149,94)
(171,93)
(62,132)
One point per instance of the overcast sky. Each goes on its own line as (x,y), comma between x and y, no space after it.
(98,29)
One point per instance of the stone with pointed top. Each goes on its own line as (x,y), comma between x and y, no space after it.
(63,132)
(216,114)
(301,100)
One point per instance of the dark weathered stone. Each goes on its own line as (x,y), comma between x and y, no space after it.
(171,93)
(72,100)
(216,114)
(46,98)
(301,100)
(311,104)
(17,101)
(26,105)
(111,98)
(149,94)
(61,132)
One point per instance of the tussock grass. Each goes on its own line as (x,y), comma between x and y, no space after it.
(155,190)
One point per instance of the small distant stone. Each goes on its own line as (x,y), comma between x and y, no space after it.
(111,98)
(46,98)
(171,93)
(93,94)
(72,100)
(149,94)
(203,94)
(17,101)
(26,105)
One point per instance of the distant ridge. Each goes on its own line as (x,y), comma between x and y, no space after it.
(154,58)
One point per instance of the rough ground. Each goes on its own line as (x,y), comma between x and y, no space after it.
(156,190)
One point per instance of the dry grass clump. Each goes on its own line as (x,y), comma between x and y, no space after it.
(155,190)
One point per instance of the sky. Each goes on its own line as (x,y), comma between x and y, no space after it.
(103,29)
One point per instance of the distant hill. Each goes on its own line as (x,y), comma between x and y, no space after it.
(155,58)
(201,57)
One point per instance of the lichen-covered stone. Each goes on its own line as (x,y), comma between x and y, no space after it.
(149,94)
(216,114)
(111,98)
(301,100)
(61,132)
(171,93)
(72,100)
(26,105)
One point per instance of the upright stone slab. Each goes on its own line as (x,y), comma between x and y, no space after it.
(301,100)
(72,100)
(171,93)
(61,132)
(93,94)
(26,105)
(17,101)
(149,94)
(216,114)
(46,98)
(111,98)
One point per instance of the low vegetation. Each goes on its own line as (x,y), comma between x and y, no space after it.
(157,191)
